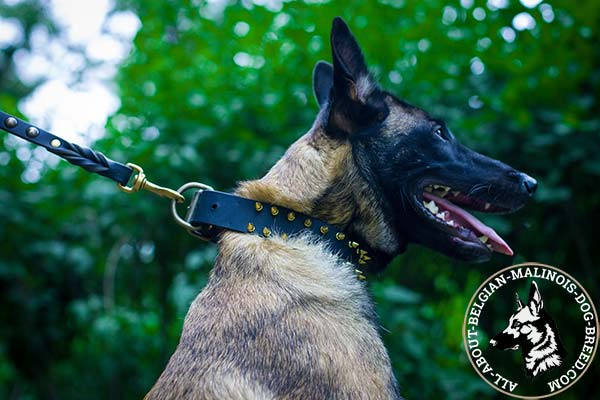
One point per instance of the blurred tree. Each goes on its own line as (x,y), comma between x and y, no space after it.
(94,287)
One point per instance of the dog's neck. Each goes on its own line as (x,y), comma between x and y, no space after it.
(318,176)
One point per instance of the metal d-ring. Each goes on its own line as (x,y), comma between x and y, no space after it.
(190,185)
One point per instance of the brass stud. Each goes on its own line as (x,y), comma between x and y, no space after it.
(258,206)
(10,122)
(55,143)
(340,236)
(284,236)
(324,229)
(360,275)
(363,253)
(32,131)
(352,245)
(291,216)
(266,232)
(251,228)
(307,223)
(361,261)
(274,211)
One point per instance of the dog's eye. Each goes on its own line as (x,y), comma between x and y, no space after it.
(440,132)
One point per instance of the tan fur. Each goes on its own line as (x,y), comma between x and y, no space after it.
(288,319)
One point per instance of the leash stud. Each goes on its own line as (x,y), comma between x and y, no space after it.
(10,122)
(32,131)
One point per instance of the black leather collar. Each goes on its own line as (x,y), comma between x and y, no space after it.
(211,212)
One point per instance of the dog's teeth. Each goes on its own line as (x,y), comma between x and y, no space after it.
(436,186)
(489,246)
(442,215)
(483,239)
(455,193)
(446,188)
(431,206)
(428,188)
(487,205)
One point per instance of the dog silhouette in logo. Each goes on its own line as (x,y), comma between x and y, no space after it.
(531,329)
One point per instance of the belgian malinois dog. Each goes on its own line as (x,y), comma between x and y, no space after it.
(287,318)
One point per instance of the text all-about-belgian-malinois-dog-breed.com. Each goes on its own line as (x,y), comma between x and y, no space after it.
(283,315)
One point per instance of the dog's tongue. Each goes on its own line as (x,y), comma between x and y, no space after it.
(468,221)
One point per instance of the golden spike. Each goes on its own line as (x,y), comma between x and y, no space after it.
(274,211)
(258,206)
(250,227)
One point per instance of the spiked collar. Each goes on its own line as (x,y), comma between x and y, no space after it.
(211,212)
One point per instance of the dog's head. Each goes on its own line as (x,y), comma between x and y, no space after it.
(524,323)
(422,176)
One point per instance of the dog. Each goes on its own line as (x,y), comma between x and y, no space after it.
(286,318)
(533,330)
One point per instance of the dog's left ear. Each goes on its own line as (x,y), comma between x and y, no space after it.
(535,302)
(357,99)
(322,82)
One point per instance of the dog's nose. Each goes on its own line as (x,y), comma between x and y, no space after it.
(529,183)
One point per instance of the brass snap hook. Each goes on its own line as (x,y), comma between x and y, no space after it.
(141,182)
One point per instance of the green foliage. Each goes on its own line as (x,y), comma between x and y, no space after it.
(94,286)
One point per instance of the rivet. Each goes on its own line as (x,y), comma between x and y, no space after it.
(266,232)
(291,216)
(340,236)
(352,245)
(284,236)
(55,143)
(274,211)
(251,228)
(10,122)
(307,223)
(324,230)
(258,206)
(32,131)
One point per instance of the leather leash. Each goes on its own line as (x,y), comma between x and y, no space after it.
(210,211)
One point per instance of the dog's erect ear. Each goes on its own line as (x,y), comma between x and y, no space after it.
(322,82)
(535,302)
(519,302)
(357,100)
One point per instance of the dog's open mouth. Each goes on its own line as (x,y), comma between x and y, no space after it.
(443,204)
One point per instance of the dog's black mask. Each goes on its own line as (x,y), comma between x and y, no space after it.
(425,178)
